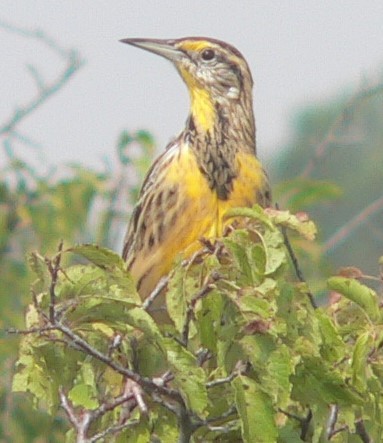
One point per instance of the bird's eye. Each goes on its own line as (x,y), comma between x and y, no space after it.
(207,54)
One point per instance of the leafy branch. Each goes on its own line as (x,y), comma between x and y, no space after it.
(242,345)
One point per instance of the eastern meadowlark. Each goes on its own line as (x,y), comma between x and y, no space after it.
(208,169)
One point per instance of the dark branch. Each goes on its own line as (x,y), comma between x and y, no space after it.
(361,431)
(297,269)
(54,267)
(221,381)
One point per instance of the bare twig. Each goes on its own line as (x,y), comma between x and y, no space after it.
(361,431)
(346,230)
(68,408)
(36,330)
(82,421)
(54,267)
(304,421)
(115,343)
(45,90)
(164,379)
(155,293)
(331,423)
(144,382)
(298,271)
(190,310)
(208,286)
(305,425)
(231,411)
(332,419)
(221,381)
(113,430)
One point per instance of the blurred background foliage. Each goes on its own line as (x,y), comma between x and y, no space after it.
(332,168)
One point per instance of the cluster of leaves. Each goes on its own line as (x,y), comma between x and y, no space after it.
(245,356)
(37,208)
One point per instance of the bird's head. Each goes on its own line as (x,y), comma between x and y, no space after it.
(215,72)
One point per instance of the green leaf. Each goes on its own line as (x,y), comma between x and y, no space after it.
(333,347)
(239,253)
(313,379)
(360,294)
(102,257)
(257,349)
(37,264)
(140,319)
(359,360)
(276,379)
(139,433)
(81,395)
(256,212)
(209,317)
(296,222)
(165,426)
(255,411)
(249,303)
(275,252)
(178,288)
(189,377)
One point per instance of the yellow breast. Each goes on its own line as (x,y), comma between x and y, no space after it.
(198,213)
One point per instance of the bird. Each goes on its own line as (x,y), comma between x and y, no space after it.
(208,169)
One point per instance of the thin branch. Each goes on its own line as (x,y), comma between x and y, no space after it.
(83,420)
(190,310)
(115,344)
(46,90)
(110,405)
(304,421)
(36,34)
(68,408)
(164,379)
(77,341)
(305,425)
(332,421)
(297,269)
(346,230)
(54,267)
(221,381)
(361,431)
(113,430)
(155,293)
(144,382)
(36,330)
(37,76)
(231,411)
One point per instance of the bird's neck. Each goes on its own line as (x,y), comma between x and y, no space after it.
(231,120)
(216,132)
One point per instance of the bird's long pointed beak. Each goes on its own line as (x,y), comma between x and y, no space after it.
(164,48)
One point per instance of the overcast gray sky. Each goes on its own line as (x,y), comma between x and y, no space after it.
(299,51)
